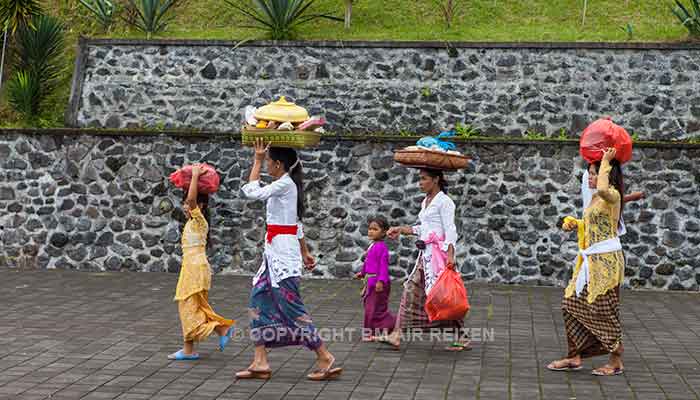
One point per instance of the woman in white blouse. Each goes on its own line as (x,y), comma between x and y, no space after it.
(277,312)
(437,235)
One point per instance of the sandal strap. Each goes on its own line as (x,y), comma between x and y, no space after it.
(325,370)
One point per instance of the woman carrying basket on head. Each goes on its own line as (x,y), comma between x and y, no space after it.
(438,236)
(278,314)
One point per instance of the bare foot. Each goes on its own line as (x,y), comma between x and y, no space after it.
(259,366)
(392,340)
(609,370)
(323,362)
(565,364)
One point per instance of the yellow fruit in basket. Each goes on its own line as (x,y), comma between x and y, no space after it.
(261,124)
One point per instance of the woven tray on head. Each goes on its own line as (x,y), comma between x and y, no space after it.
(293,139)
(431,159)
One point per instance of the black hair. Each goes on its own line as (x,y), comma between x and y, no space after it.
(380,221)
(289,157)
(203,204)
(616,179)
(436,173)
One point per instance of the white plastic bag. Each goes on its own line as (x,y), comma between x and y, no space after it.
(249,114)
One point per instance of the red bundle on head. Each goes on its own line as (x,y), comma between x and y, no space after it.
(601,135)
(208,181)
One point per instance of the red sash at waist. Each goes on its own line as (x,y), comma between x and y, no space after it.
(274,230)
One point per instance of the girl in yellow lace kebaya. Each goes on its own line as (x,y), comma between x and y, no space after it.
(196,315)
(592,298)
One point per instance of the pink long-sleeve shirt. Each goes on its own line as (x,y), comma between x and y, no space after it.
(377,262)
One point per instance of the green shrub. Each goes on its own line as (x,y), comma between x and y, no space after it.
(466,131)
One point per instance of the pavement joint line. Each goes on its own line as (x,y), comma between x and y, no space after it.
(484,352)
(348,285)
(629,337)
(679,372)
(558,335)
(538,366)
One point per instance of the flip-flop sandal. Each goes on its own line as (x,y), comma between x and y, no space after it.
(567,367)
(223,340)
(615,371)
(181,356)
(456,346)
(325,374)
(253,374)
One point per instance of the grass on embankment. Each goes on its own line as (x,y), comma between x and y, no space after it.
(476,20)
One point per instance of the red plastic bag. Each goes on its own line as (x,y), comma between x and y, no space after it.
(601,135)
(208,181)
(447,300)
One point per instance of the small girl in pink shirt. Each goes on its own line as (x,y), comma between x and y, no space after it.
(378,319)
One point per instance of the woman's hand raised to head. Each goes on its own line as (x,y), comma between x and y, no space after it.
(609,154)
(260,149)
(198,170)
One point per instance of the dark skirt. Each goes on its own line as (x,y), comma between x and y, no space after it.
(592,329)
(378,319)
(278,316)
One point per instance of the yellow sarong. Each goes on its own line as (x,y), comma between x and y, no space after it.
(198,318)
(192,294)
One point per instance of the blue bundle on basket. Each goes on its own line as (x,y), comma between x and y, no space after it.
(433,152)
(436,143)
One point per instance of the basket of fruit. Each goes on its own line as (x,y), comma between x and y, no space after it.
(282,124)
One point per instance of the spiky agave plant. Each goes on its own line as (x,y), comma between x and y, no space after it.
(37,60)
(280,18)
(103,10)
(23,94)
(688,16)
(13,15)
(16,13)
(153,16)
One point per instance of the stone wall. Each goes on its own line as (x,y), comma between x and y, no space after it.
(103,203)
(392,87)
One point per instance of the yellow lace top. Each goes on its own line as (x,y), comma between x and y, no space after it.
(195,274)
(600,220)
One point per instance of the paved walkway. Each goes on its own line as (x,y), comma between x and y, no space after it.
(73,335)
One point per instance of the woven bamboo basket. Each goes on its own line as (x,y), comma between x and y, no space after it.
(431,159)
(276,138)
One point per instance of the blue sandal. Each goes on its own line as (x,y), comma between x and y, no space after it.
(223,340)
(181,356)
